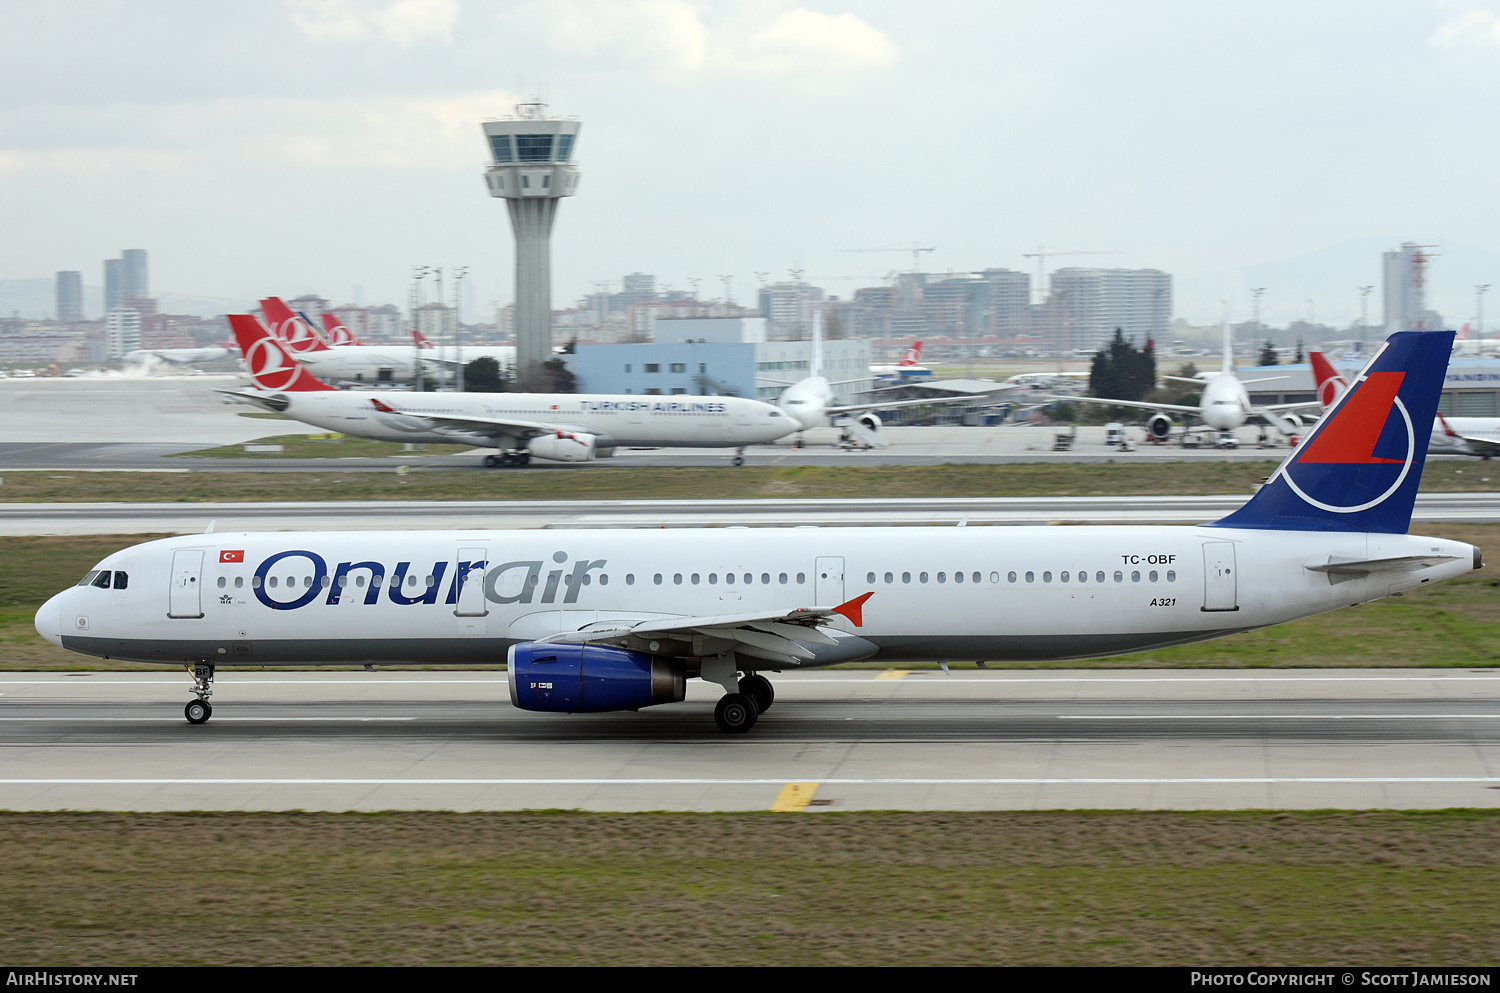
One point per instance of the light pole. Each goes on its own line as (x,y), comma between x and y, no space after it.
(1479,289)
(458,323)
(1364,303)
(1255,306)
(417,273)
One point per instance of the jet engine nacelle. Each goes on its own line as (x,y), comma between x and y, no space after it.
(577,679)
(1159,426)
(869,422)
(564,446)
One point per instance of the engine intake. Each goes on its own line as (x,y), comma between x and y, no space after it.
(564,446)
(1159,426)
(590,679)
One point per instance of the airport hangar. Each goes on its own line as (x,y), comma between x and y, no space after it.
(1472,387)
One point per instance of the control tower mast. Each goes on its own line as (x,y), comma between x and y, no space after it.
(531,170)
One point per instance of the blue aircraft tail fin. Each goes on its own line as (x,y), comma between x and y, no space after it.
(1360,467)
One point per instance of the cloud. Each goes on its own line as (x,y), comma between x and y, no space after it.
(404,22)
(440,132)
(675,35)
(1474,27)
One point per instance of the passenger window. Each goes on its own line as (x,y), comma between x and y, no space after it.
(1098,577)
(1135,577)
(889,578)
(1062,577)
(1010,576)
(630,579)
(273,582)
(870,577)
(695,579)
(121,580)
(922,577)
(765,579)
(1171,575)
(906,577)
(239,582)
(255,582)
(994,577)
(713,579)
(958,577)
(801,578)
(223,582)
(782,579)
(942,577)
(431,582)
(1119,576)
(1046,577)
(1031,577)
(1153,575)
(677,578)
(359,581)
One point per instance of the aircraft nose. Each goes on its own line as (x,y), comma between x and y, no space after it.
(49,620)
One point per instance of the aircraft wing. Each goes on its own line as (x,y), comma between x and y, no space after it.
(495,426)
(1477,446)
(861,408)
(770,635)
(1175,407)
(1278,407)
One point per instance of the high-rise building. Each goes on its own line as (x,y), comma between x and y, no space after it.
(114,284)
(532,169)
(1009,309)
(1086,305)
(122,331)
(137,277)
(788,309)
(1404,274)
(70,297)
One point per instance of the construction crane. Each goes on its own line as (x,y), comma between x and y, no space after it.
(916,249)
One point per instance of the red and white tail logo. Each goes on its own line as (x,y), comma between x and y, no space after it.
(271,365)
(913,355)
(420,338)
(291,328)
(337,333)
(1331,385)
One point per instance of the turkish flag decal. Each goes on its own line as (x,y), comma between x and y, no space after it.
(237,555)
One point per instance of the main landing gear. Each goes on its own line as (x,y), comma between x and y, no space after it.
(508,460)
(200,710)
(737,713)
(737,461)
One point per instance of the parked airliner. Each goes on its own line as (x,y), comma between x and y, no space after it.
(563,427)
(599,620)
(1223,406)
(1477,436)
(356,363)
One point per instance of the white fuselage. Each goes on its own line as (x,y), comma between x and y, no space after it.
(1480,428)
(1021,593)
(671,421)
(807,401)
(182,356)
(394,363)
(1225,405)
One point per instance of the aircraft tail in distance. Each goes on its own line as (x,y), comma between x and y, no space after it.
(1330,382)
(271,365)
(913,355)
(290,327)
(337,333)
(1359,469)
(420,338)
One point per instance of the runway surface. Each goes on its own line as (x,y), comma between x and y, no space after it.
(971,740)
(193,518)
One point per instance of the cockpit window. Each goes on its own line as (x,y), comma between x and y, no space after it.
(102,580)
(88,577)
(121,580)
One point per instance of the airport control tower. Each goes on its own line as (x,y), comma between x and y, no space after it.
(531,168)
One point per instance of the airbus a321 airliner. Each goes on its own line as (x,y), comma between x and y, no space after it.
(597,620)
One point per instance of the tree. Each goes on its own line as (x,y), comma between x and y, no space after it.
(1121,371)
(484,375)
(1268,353)
(1298,359)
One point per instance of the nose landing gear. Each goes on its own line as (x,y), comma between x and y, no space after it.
(739,458)
(200,710)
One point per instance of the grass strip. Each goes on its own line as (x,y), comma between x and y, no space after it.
(601,481)
(566,888)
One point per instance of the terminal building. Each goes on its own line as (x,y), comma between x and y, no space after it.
(724,356)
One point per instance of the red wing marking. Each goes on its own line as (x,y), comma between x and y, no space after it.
(855,609)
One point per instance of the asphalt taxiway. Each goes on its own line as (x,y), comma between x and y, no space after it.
(842,740)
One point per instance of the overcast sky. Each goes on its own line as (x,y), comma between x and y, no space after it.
(324,145)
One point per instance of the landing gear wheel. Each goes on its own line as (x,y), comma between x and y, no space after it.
(523,458)
(736,713)
(737,461)
(198,711)
(759,689)
(491,461)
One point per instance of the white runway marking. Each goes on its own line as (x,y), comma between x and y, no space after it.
(1278,717)
(912,677)
(178,720)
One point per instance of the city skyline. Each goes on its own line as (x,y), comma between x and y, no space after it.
(344,146)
